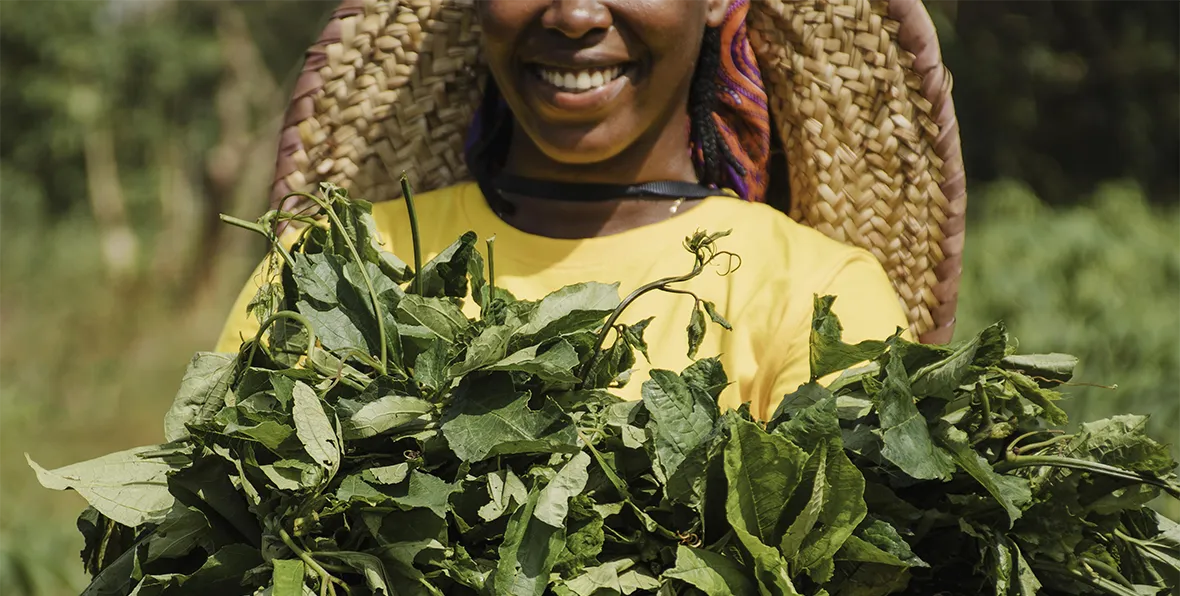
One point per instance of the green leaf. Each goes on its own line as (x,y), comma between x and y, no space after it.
(1009,491)
(221,573)
(1024,580)
(489,347)
(425,491)
(446,273)
(318,276)
(201,394)
(572,308)
(394,474)
(799,529)
(716,316)
(941,379)
(269,433)
(553,365)
(843,509)
(287,578)
(553,504)
(1122,441)
(528,552)
(130,487)
(439,317)
(369,566)
(313,427)
(618,577)
(355,488)
(334,328)
(879,543)
(430,369)
(584,537)
(1030,390)
(770,569)
(682,418)
(633,335)
(763,471)
(828,353)
(906,435)
(506,492)
(292,475)
(491,418)
(385,414)
(1053,367)
(707,376)
(713,574)
(696,331)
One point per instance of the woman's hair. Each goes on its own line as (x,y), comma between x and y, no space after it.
(715,163)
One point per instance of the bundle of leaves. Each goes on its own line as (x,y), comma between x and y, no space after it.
(371,439)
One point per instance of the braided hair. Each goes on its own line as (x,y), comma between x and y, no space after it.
(715,164)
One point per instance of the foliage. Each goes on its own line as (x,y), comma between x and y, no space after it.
(1100,281)
(1066,95)
(370,436)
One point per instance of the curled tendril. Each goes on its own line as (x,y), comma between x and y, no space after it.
(703,247)
(690,539)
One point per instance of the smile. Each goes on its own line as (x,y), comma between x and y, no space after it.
(578,81)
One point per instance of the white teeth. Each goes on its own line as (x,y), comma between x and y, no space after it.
(581,80)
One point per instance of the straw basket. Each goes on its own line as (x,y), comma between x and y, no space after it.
(858,93)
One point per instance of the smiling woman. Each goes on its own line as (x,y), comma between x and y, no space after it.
(610,130)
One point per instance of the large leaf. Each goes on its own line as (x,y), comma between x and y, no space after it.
(130,487)
(553,504)
(682,418)
(490,346)
(369,566)
(570,309)
(440,317)
(621,576)
(763,471)
(287,577)
(201,394)
(555,364)
(1009,491)
(390,412)
(489,417)
(528,552)
(711,573)
(906,435)
(313,427)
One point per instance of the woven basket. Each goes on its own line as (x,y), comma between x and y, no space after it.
(857,88)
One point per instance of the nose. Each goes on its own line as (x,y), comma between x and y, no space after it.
(576,18)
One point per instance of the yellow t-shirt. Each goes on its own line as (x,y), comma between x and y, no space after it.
(768,300)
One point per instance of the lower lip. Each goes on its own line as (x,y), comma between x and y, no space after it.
(583,101)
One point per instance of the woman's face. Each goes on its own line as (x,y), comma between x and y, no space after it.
(587,79)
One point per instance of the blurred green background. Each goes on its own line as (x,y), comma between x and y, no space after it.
(127,126)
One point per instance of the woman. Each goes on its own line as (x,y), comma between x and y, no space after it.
(609,131)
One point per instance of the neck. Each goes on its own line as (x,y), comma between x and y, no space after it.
(660,156)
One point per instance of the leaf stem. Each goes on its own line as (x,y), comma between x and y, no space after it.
(326,579)
(361,265)
(491,243)
(415,237)
(294,316)
(259,229)
(1026,461)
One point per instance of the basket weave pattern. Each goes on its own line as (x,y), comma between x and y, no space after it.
(857,89)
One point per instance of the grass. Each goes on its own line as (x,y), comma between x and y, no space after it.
(89,366)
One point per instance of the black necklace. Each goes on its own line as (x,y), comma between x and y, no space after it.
(596,192)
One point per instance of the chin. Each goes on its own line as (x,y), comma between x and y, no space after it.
(579,147)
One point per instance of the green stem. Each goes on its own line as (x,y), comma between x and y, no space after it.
(326,578)
(408,193)
(356,255)
(1110,572)
(491,242)
(258,229)
(659,284)
(294,316)
(1041,445)
(1026,461)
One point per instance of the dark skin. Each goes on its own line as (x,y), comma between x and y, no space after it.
(633,129)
